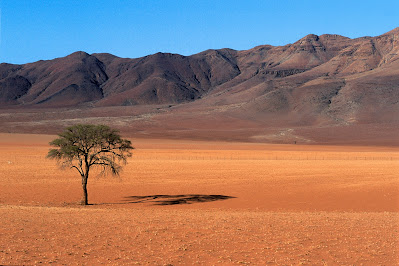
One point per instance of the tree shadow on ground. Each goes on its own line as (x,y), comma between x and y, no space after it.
(176,199)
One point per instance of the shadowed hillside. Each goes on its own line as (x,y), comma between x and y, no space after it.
(318,81)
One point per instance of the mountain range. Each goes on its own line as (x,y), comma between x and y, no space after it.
(312,91)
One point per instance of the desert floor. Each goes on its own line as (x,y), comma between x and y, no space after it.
(192,202)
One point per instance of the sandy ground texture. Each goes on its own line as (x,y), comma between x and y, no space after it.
(193,202)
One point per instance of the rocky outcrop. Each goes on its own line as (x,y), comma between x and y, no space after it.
(331,76)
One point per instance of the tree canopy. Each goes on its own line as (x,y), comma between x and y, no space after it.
(85,146)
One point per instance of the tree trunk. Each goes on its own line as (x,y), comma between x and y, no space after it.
(84,185)
(85,176)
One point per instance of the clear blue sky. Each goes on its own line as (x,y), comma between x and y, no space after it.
(44,29)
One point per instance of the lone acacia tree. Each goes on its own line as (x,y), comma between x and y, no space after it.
(85,146)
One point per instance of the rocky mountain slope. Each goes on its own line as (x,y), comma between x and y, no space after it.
(316,81)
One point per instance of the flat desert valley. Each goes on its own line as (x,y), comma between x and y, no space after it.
(202,202)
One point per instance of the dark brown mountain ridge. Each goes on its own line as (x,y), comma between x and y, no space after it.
(318,81)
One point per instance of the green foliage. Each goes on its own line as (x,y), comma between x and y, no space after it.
(83,146)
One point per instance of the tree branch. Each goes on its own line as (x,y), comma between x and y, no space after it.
(80,172)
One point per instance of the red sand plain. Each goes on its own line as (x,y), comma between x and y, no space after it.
(193,202)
